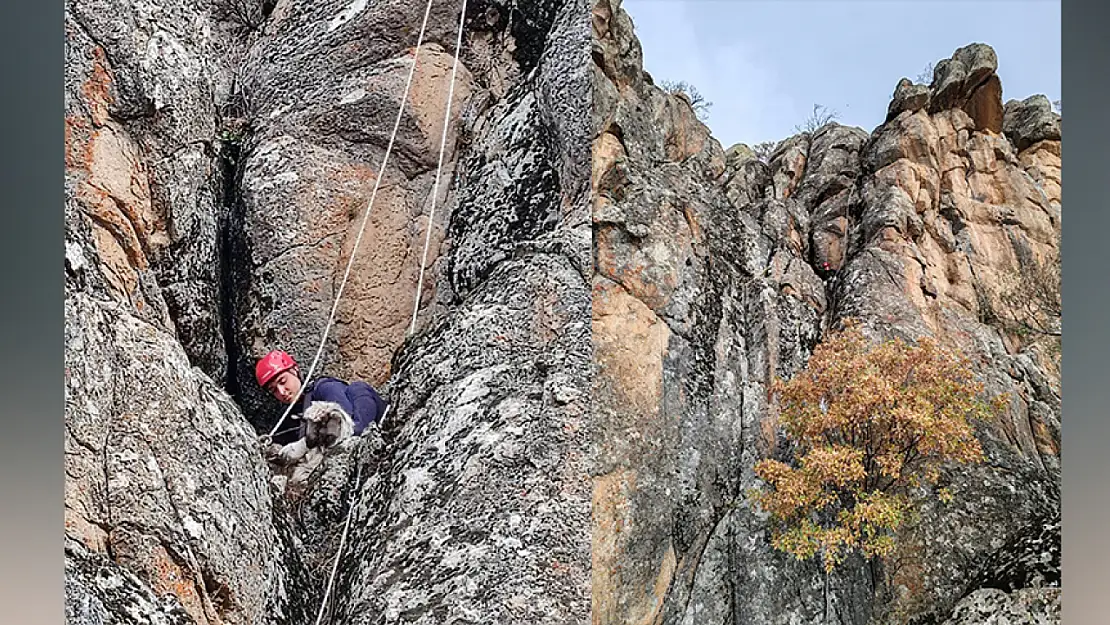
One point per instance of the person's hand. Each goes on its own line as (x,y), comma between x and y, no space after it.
(265,441)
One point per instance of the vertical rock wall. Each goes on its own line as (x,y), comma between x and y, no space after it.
(716,271)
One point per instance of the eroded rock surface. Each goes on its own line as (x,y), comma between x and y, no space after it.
(715,272)
(143,86)
(99,591)
(163,480)
(1022,607)
(684,284)
(217,172)
(480,510)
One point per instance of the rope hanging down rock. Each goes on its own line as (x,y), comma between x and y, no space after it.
(352,500)
(439,168)
(373,196)
(355,497)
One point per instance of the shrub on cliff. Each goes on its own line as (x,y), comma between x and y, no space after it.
(818,119)
(684,89)
(764,150)
(1031,299)
(870,426)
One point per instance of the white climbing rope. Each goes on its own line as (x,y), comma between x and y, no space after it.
(439,168)
(342,541)
(355,497)
(365,218)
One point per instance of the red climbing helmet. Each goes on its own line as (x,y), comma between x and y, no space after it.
(271,365)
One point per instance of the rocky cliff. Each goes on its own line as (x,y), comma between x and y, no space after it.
(716,271)
(219,157)
(218,160)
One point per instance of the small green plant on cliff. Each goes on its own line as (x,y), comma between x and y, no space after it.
(871,426)
(698,102)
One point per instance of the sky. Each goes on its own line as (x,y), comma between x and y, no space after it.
(764,63)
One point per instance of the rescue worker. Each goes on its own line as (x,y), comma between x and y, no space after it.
(356,402)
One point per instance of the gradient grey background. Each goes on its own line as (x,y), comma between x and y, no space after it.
(31,334)
(1086,259)
(32,198)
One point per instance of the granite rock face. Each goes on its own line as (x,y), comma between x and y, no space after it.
(715,272)
(162,476)
(217,171)
(995,607)
(478,511)
(144,84)
(1029,121)
(99,591)
(218,166)
(685,285)
(322,88)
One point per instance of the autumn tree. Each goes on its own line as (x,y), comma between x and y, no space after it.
(870,426)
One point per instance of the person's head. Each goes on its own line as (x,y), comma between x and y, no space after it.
(277,373)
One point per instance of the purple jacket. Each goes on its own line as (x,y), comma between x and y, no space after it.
(358,399)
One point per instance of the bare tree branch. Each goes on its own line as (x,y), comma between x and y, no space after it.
(684,89)
(821,115)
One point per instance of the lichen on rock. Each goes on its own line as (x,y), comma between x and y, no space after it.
(217,174)
(718,271)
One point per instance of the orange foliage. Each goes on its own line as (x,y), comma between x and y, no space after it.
(871,426)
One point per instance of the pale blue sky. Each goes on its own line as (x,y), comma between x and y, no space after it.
(765,63)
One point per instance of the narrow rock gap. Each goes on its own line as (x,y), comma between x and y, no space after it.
(230,255)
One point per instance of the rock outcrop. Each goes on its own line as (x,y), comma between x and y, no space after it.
(97,590)
(696,305)
(218,165)
(162,475)
(324,86)
(716,271)
(479,510)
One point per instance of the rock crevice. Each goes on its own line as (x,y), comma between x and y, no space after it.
(217,173)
